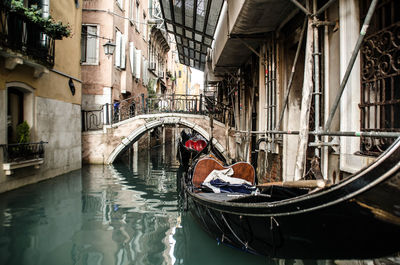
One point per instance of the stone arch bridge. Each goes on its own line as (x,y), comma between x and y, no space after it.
(104,145)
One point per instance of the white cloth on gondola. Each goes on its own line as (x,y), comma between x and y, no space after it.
(226,176)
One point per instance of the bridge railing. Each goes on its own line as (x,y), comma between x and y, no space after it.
(108,114)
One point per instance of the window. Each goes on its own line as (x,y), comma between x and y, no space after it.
(161,68)
(120,50)
(144,27)
(137,17)
(152,64)
(179,74)
(89,44)
(15,113)
(380,76)
(20,104)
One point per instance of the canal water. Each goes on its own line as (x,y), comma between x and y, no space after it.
(110,215)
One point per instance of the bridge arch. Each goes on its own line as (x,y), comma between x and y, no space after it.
(139,132)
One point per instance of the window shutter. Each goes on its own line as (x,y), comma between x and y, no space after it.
(145,73)
(138,63)
(143,70)
(91,55)
(144,29)
(123,51)
(132,53)
(118,49)
(84,44)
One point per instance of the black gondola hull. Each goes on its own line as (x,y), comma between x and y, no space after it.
(357,218)
(343,231)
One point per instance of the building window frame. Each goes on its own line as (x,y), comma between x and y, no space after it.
(137,16)
(120,50)
(96,43)
(144,27)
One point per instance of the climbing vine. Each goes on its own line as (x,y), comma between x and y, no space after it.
(54,29)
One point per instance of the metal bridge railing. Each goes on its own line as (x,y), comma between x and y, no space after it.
(175,103)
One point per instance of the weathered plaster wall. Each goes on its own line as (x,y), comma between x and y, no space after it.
(59,124)
(50,108)
(109,17)
(292,113)
(68,50)
(349,110)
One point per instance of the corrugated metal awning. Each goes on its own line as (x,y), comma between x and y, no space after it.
(193,22)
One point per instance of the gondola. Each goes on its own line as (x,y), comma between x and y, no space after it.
(356,218)
(189,147)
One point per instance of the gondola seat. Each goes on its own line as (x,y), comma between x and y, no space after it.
(205,166)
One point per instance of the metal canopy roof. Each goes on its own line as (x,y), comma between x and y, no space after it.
(193,22)
(256,20)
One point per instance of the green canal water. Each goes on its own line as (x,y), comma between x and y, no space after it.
(107,215)
(110,215)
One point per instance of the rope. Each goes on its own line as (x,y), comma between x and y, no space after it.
(272,221)
(209,213)
(245,245)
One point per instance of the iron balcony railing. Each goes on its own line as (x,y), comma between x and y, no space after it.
(20,35)
(22,152)
(174,103)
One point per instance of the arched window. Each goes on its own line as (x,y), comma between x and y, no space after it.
(20,104)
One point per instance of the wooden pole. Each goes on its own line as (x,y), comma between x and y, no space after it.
(305,105)
(319,183)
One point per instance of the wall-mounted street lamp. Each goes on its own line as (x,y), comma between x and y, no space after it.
(109,48)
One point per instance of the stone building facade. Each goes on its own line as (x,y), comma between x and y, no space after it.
(40,83)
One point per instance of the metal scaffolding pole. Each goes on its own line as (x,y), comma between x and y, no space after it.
(322,9)
(351,63)
(289,86)
(301,7)
(322,133)
(316,78)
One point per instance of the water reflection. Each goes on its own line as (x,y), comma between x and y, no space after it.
(110,215)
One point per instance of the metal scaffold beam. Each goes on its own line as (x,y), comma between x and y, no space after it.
(322,133)
(351,63)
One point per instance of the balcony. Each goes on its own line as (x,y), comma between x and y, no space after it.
(24,42)
(22,155)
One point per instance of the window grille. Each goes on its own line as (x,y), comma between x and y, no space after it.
(380,75)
